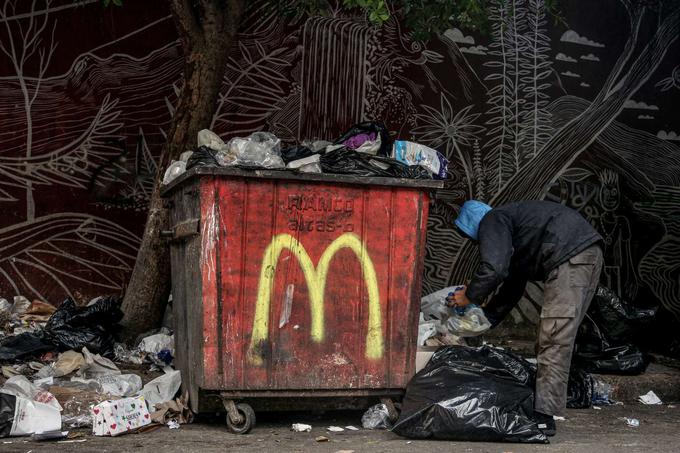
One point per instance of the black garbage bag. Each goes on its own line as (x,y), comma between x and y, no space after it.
(618,320)
(296,152)
(24,345)
(625,360)
(73,327)
(8,405)
(377,129)
(471,394)
(350,162)
(203,156)
(579,389)
(596,353)
(603,342)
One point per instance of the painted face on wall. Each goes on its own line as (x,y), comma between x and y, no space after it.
(610,195)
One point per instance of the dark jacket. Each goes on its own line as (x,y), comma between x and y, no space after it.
(524,241)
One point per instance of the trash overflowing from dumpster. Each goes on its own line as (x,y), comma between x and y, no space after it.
(366,149)
(63,370)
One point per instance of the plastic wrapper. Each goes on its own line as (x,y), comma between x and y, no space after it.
(350,162)
(411,153)
(72,327)
(259,149)
(471,394)
(376,417)
(370,137)
(174,170)
(601,393)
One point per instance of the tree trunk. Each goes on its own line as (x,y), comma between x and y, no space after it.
(206,29)
(569,142)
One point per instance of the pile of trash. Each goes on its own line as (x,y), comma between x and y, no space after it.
(60,368)
(366,149)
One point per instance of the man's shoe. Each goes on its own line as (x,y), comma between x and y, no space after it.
(546,423)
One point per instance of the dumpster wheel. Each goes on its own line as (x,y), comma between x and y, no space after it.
(240,417)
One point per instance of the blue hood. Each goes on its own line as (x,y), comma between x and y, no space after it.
(470,216)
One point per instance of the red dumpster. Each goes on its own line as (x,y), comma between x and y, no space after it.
(294,286)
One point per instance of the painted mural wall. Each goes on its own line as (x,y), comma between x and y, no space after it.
(582,112)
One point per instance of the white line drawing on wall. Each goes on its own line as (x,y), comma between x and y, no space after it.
(562,57)
(670,135)
(631,104)
(65,251)
(571,36)
(670,82)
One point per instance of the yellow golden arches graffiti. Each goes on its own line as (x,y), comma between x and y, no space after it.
(316,284)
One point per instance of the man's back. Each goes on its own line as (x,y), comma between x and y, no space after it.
(544,235)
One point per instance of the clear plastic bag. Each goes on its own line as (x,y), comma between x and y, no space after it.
(376,417)
(471,323)
(259,149)
(210,139)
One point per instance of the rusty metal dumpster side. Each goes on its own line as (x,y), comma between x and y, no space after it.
(187,294)
(297,286)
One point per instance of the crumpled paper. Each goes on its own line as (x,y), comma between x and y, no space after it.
(174,410)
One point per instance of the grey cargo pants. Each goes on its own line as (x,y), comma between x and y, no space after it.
(568,292)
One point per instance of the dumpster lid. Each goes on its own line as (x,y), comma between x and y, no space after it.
(306,177)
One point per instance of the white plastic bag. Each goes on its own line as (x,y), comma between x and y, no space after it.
(426,329)
(163,388)
(20,386)
(31,417)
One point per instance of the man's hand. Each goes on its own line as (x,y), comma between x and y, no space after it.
(458,299)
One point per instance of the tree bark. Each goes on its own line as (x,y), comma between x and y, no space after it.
(531,181)
(206,30)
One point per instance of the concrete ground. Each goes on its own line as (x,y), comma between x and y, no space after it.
(587,431)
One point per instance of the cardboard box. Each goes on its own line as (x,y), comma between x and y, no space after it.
(111,418)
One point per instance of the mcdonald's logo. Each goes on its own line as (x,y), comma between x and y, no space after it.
(315,277)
